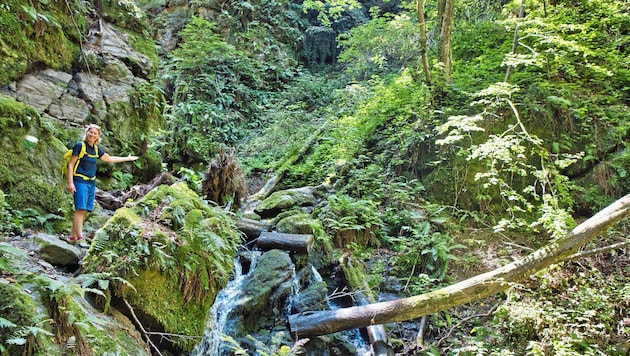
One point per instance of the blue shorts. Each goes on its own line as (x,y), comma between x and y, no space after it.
(84,196)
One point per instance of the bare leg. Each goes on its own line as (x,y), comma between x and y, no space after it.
(77,223)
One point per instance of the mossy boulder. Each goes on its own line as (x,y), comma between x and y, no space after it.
(19,310)
(31,160)
(45,315)
(266,295)
(300,223)
(274,269)
(175,250)
(285,200)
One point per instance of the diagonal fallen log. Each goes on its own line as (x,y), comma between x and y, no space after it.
(315,323)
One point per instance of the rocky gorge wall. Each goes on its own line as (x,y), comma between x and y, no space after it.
(53,82)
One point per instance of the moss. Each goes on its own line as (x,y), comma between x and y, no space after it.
(284,200)
(19,309)
(272,267)
(354,272)
(160,296)
(143,43)
(94,333)
(176,251)
(300,223)
(45,32)
(30,173)
(124,13)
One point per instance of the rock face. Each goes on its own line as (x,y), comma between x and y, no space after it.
(100,80)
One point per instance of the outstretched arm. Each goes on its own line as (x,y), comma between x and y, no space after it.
(115,159)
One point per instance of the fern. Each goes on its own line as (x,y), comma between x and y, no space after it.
(4,323)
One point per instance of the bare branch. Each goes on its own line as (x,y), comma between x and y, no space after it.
(144,332)
(599,250)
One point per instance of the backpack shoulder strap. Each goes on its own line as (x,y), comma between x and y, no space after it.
(83,150)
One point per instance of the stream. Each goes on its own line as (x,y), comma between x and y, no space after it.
(229,303)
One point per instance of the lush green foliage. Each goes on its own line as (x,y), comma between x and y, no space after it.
(532,154)
(352,221)
(521,176)
(221,79)
(45,32)
(383,45)
(574,310)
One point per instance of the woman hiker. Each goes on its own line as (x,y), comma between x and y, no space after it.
(82,176)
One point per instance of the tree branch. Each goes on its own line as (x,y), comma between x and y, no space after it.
(144,332)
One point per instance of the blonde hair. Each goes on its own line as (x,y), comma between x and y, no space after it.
(87,128)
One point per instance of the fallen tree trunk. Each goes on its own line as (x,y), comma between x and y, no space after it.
(251,228)
(475,288)
(269,187)
(364,296)
(301,243)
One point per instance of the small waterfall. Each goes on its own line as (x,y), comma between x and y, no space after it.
(229,298)
(223,304)
(353,336)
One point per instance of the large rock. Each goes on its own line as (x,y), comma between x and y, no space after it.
(32,290)
(56,251)
(286,199)
(30,163)
(175,250)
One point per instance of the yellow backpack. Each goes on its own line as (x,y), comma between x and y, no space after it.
(68,155)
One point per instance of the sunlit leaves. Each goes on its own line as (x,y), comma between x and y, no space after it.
(330,11)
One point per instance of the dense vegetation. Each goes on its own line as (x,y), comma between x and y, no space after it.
(520,141)
(414,164)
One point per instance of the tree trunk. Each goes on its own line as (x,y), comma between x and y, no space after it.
(270,186)
(289,242)
(423,43)
(508,72)
(445,50)
(475,288)
(251,228)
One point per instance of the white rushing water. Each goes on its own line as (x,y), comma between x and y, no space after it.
(213,344)
(353,336)
(223,304)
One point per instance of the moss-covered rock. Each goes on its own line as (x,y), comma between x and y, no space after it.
(267,292)
(43,32)
(18,309)
(300,223)
(31,160)
(175,250)
(286,199)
